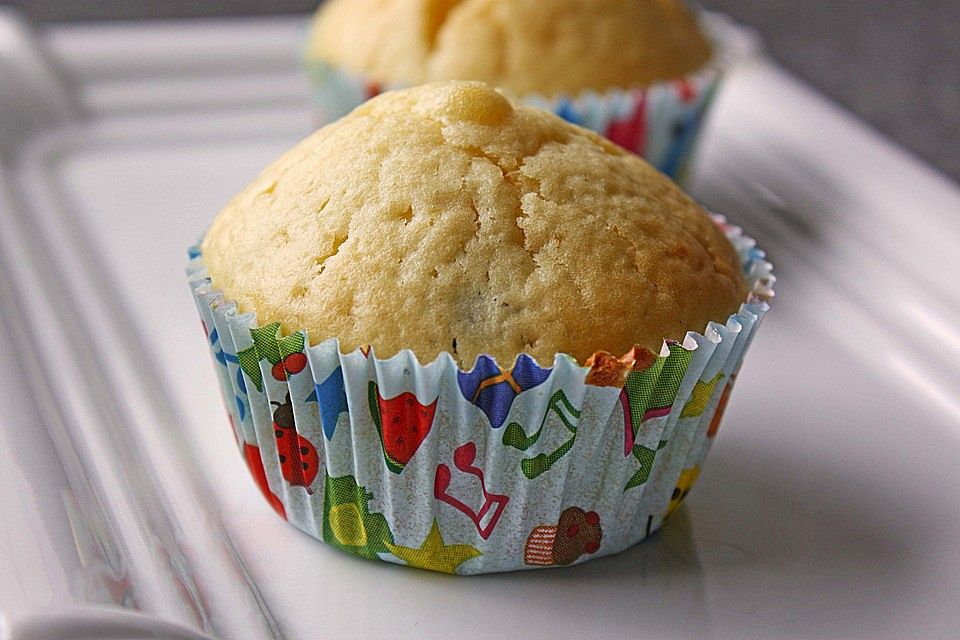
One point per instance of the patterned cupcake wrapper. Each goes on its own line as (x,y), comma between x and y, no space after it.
(660,122)
(480,470)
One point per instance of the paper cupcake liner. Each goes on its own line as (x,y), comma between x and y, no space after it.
(479,470)
(660,122)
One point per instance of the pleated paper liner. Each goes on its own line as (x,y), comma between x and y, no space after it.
(480,470)
(661,122)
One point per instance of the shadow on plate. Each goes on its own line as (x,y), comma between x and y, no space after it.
(771,181)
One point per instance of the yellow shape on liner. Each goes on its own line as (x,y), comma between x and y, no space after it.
(347,525)
(433,554)
(702,392)
(684,484)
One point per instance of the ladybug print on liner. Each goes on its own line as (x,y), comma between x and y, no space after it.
(299,461)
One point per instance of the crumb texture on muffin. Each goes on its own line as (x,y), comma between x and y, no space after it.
(447,218)
(549,47)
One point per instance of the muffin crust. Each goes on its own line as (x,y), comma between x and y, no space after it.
(448,218)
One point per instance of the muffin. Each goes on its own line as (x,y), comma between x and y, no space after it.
(413,313)
(638,71)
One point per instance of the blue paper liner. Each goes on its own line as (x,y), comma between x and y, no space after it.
(479,470)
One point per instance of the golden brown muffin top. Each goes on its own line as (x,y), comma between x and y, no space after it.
(446,214)
(546,47)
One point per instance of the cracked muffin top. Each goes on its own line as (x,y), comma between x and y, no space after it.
(549,47)
(448,218)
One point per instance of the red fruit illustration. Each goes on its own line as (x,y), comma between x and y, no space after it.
(299,461)
(255,463)
(403,423)
(295,363)
(292,364)
(268,345)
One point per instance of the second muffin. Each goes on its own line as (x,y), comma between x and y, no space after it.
(638,71)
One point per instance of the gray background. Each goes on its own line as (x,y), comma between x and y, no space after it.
(895,63)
